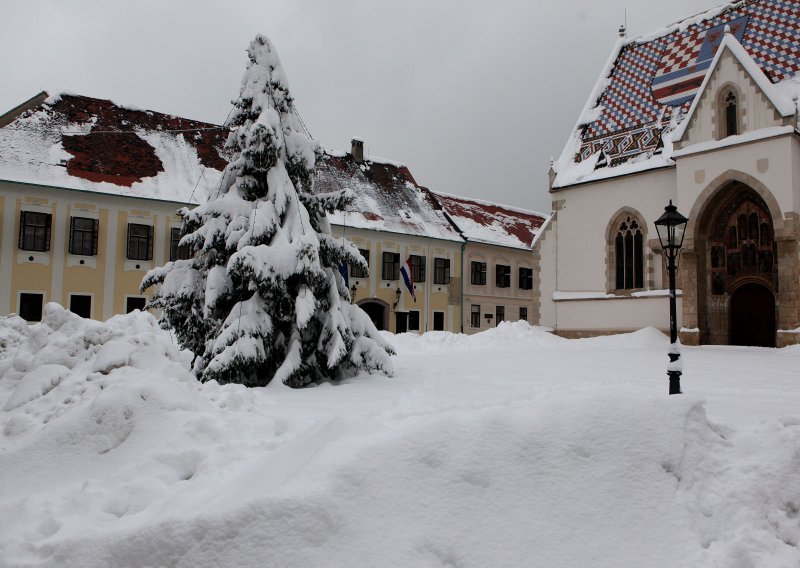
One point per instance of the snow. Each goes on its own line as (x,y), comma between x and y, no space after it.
(386,198)
(511,447)
(783,95)
(560,295)
(32,151)
(492,223)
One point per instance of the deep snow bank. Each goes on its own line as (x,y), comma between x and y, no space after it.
(112,455)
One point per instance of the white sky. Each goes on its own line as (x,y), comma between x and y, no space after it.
(475,96)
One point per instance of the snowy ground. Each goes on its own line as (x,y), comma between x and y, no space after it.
(509,448)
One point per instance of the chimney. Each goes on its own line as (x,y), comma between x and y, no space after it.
(357,149)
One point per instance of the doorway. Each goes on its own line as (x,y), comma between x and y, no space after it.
(376,312)
(753,316)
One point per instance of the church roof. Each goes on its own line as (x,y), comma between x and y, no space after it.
(387,198)
(484,222)
(83,143)
(650,83)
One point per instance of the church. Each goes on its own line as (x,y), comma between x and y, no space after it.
(703,113)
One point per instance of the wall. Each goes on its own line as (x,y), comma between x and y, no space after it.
(489,296)
(575,252)
(754,108)
(107,277)
(430,297)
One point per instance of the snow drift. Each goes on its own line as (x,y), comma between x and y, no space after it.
(508,448)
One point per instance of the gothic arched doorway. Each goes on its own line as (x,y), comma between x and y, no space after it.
(740,270)
(377,312)
(753,316)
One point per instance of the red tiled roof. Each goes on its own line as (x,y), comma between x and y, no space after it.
(654,79)
(387,198)
(94,144)
(490,223)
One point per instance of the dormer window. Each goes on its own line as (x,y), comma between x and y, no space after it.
(731,115)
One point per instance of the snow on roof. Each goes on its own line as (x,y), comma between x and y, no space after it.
(83,143)
(484,222)
(387,198)
(646,90)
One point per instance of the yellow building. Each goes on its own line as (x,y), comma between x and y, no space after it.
(88,195)
(501,261)
(89,192)
(393,221)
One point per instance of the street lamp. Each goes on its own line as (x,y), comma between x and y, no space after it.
(671,227)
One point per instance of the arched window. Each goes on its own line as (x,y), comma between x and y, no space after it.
(629,254)
(731,114)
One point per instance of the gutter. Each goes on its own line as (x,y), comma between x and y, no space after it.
(112,195)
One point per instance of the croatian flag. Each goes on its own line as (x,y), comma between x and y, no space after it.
(408,278)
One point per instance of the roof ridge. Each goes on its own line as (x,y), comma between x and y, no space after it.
(512,208)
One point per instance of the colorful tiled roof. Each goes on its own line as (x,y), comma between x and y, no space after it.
(90,144)
(654,79)
(387,198)
(483,222)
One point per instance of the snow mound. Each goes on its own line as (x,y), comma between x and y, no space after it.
(507,334)
(640,339)
(512,447)
(66,361)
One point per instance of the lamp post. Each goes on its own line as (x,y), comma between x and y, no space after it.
(671,227)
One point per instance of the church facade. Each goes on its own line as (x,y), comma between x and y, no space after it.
(705,114)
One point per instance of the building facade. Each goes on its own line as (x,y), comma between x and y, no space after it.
(88,197)
(89,191)
(501,261)
(704,114)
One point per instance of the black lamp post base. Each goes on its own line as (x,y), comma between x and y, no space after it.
(674,382)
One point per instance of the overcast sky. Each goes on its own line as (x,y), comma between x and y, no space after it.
(473,96)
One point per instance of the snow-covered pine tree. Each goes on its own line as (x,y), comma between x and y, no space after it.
(263,298)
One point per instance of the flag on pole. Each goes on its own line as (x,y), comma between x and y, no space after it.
(408,277)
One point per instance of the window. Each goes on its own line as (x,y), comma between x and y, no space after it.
(441,271)
(475,316)
(526,278)
(438,321)
(731,115)
(83,236)
(629,255)
(502,274)
(81,304)
(34,232)
(30,306)
(140,242)
(500,314)
(357,271)
(391,266)
(523,314)
(413,320)
(417,268)
(176,250)
(135,303)
(478,273)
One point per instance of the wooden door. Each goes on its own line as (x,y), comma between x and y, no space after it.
(753,316)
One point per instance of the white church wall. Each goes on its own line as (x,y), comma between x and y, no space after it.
(754,108)
(584,217)
(575,253)
(615,315)
(547,274)
(769,162)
